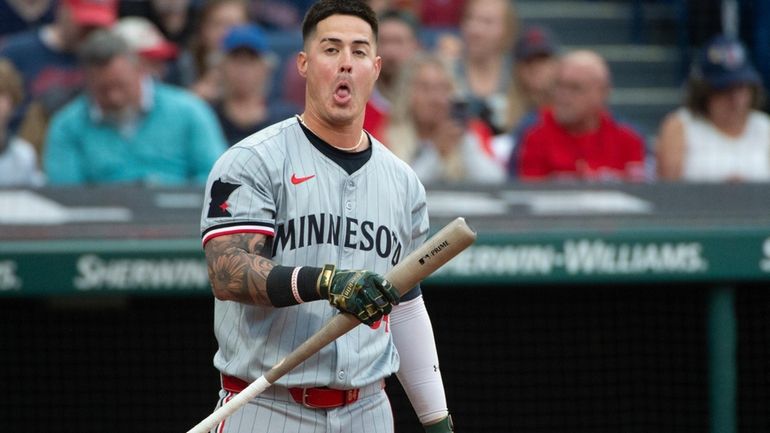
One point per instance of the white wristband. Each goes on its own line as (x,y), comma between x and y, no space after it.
(294,288)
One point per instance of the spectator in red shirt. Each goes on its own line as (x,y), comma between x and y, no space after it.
(578,138)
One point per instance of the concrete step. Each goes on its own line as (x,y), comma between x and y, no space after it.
(605,10)
(600,22)
(645,119)
(645,107)
(647,96)
(640,65)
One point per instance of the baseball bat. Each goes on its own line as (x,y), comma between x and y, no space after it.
(448,242)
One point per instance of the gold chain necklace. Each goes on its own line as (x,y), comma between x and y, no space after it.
(350,150)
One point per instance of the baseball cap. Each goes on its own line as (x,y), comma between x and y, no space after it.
(723,63)
(99,13)
(535,41)
(143,37)
(246,36)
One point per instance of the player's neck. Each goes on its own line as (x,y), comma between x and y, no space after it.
(349,139)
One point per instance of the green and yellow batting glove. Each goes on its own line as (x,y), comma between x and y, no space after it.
(364,294)
(445,425)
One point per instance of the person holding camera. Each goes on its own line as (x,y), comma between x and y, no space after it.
(433,131)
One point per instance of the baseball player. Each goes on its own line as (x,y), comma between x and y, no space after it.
(300,221)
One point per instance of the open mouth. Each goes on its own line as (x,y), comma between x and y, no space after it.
(342,92)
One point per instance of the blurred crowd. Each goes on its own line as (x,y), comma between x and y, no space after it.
(153,91)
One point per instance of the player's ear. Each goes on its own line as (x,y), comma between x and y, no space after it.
(377,66)
(302,64)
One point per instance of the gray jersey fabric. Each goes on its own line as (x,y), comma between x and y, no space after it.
(276,183)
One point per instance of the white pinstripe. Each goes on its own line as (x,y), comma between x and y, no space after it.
(228,396)
(330,209)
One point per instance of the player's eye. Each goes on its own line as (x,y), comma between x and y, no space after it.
(331,50)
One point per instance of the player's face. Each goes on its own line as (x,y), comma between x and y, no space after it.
(340,65)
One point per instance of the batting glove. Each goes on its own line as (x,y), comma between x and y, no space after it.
(444,426)
(364,294)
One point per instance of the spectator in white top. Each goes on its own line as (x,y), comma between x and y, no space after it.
(719,135)
(18,160)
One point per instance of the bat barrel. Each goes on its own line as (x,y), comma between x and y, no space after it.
(431,255)
(448,242)
(439,249)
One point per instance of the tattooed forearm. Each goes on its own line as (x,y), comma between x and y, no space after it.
(238,267)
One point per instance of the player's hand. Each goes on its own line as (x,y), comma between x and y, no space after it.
(364,294)
(444,426)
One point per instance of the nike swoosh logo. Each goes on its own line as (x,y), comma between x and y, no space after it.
(298,180)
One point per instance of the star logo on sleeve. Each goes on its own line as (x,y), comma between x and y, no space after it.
(220,193)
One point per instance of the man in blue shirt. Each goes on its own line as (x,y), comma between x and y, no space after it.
(128,128)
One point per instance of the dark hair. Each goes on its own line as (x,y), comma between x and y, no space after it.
(698,92)
(323,9)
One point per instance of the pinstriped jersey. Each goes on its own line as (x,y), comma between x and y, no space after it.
(277,183)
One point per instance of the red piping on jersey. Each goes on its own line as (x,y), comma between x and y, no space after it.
(229,397)
(212,235)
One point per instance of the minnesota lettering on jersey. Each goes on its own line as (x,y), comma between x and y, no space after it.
(364,235)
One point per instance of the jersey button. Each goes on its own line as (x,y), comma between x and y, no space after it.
(341,375)
(351,184)
(349,205)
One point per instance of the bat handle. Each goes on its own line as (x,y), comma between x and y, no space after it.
(442,247)
(334,328)
(242,398)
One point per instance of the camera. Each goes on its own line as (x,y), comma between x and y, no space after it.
(459,111)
